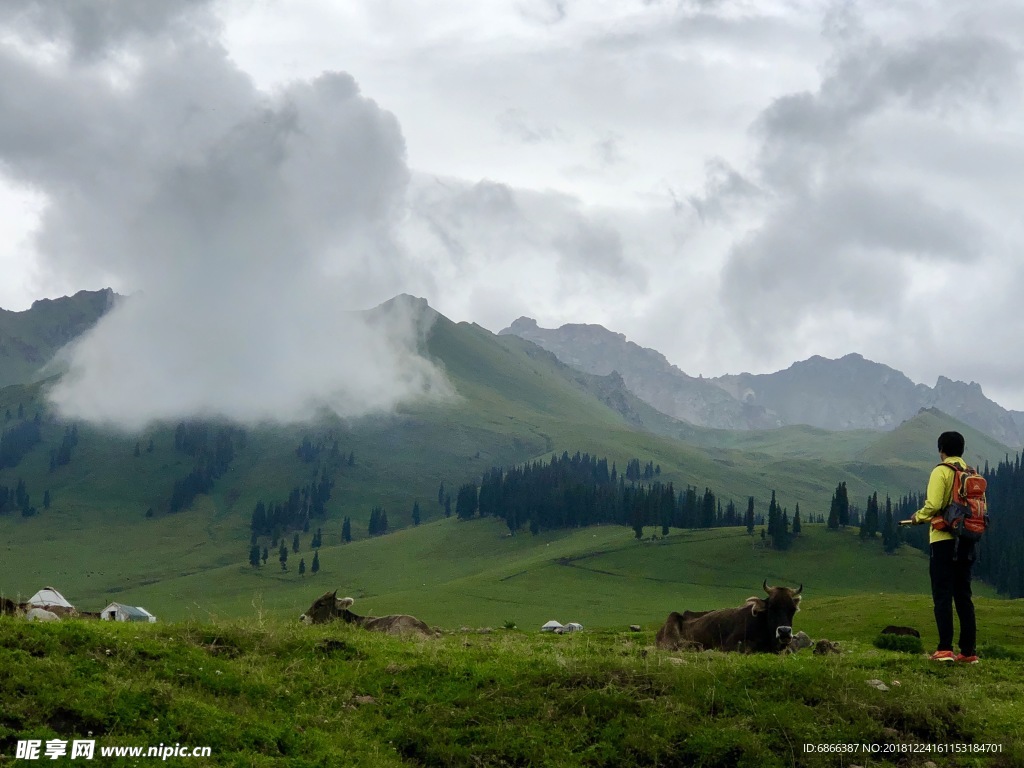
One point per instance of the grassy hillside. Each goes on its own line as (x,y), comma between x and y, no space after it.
(108,529)
(29,339)
(453,574)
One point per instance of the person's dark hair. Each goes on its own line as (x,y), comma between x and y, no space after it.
(951,443)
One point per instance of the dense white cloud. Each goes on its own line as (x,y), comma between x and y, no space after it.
(246,225)
(737,184)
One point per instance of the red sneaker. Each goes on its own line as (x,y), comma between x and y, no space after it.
(943,656)
(961,659)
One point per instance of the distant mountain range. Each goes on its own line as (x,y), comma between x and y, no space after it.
(850,393)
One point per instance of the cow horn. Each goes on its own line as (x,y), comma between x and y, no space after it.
(766,587)
(800,590)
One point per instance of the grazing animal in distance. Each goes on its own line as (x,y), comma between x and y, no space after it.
(329,607)
(894,630)
(760,625)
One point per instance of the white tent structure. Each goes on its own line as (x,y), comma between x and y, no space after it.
(50,599)
(551,626)
(572,626)
(121,612)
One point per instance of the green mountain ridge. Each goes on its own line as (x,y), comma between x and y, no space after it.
(109,531)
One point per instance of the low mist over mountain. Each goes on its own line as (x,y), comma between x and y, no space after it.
(844,394)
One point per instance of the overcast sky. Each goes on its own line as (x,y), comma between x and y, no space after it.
(739,185)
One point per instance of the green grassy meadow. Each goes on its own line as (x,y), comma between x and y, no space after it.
(264,692)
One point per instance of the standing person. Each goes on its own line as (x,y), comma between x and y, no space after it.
(951,559)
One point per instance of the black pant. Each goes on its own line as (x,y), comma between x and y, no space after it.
(950,570)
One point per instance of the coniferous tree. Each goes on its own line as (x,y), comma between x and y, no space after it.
(415,513)
(315,567)
(447,505)
(748,518)
(346,531)
(46,499)
(265,556)
(774,515)
(843,502)
(797,526)
(466,502)
(440,494)
(890,541)
(254,556)
(295,543)
(302,566)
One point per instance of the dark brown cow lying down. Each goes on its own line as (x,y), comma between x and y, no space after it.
(329,607)
(760,625)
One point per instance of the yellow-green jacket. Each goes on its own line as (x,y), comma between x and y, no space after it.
(940,488)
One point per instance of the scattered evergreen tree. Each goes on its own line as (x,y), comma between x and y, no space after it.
(890,539)
(466,501)
(302,566)
(843,502)
(440,494)
(748,518)
(265,556)
(797,527)
(378,521)
(869,521)
(415,513)
(346,531)
(315,567)
(295,543)
(447,505)
(254,556)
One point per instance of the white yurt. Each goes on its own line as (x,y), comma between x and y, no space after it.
(551,626)
(49,599)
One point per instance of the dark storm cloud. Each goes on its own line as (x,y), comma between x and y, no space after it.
(247,223)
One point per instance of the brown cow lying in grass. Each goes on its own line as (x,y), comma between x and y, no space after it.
(329,606)
(760,625)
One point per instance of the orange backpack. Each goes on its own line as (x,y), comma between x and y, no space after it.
(967,514)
